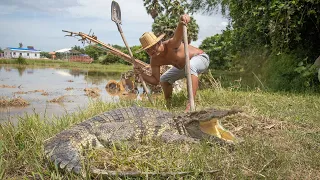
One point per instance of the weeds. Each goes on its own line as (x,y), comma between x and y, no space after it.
(280,133)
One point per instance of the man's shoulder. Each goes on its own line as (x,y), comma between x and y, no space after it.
(167,42)
(170,44)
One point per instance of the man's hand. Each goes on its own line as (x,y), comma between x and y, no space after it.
(185,19)
(137,70)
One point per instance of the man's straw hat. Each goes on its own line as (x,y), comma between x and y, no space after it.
(148,39)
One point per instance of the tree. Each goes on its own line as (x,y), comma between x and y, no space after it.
(218,47)
(143,56)
(78,48)
(284,25)
(289,29)
(209,6)
(166,15)
(1,51)
(45,54)
(93,52)
(20,45)
(153,7)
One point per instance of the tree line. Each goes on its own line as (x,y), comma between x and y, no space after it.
(278,40)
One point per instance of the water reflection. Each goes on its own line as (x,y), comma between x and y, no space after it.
(97,77)
(39,86)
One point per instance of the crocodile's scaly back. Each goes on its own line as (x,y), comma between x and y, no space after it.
(126,124)
(133,123)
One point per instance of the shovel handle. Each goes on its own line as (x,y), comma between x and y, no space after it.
(134,63)
(187,68)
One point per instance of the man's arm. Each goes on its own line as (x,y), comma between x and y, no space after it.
(177,38)
(155,76)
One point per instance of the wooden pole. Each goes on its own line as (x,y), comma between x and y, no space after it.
(135,64)
(187,68)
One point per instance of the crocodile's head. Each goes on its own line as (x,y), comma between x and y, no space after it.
(205,123)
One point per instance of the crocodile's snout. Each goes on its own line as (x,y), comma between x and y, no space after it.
(206,123)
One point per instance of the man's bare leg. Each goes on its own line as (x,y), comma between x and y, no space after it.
(167,90)
(195,86)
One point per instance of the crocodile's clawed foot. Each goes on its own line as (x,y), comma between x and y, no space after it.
(69,161)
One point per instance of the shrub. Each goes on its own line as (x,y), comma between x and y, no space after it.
(290,73)
(21,60)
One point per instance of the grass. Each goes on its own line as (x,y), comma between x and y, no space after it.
(65,64)
(281,133)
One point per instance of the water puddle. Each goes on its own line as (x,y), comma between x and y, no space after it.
(53,91)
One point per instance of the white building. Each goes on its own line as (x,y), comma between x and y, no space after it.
(23,52)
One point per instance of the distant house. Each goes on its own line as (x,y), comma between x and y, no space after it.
(29,53)
(74,56)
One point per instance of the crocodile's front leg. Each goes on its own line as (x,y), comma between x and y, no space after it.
(65,148)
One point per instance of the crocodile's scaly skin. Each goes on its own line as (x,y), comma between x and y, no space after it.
(132,123)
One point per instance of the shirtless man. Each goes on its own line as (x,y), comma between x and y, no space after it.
(171,52)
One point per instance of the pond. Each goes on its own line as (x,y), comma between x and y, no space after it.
(39,86)
(57,91)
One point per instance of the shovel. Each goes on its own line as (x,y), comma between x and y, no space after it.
(116,17)
(187,68)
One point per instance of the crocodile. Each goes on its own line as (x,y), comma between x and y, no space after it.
(134,124)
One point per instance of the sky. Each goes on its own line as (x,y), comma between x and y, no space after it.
(40,23)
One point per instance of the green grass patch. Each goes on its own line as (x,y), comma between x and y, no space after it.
(280,133)
(66,64)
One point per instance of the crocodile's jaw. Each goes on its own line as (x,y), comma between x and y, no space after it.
(203,129)
(213,127)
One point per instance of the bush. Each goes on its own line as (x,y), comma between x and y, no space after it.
(21,60)
(287,72)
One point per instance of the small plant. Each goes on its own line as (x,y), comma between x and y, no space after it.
(21,60)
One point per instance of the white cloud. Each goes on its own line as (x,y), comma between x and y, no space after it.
(209,26)
(132,11)
(224,23)
(7,9)
(43,6)
(39,23)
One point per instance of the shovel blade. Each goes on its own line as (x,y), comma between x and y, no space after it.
(115,12)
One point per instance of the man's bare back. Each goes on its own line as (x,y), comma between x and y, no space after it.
(173,55)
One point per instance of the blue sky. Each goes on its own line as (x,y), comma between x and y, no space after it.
(40,23)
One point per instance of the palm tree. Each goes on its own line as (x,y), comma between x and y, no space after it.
(166,15)
(167,7)
(167,25)
(209,6)
(153,7)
